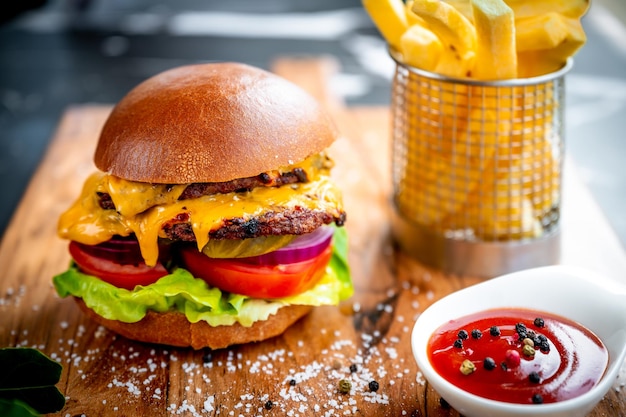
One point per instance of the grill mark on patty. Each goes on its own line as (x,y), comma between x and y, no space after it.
(287,222)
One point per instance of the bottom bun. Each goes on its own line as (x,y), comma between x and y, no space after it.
(173,328)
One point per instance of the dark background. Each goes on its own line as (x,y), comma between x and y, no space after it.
(58,53)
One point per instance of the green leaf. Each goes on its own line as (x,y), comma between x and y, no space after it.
(26,367)
(16,408)
(339,262)
(30,376)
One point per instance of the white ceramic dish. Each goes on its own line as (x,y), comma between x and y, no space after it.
(583,296)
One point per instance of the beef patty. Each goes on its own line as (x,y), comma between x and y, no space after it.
(294,221)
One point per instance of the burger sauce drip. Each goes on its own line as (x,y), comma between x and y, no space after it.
(571,363)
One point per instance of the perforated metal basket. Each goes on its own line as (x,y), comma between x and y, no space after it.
(477,170)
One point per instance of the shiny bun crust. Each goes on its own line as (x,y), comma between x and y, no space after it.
(173,328)
(211,123)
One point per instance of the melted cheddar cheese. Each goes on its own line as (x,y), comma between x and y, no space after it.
(142,209)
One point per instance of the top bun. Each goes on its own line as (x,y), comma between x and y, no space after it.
(211,123)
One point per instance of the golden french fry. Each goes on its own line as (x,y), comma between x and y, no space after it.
(434,177)
(542,61)
(412,18)
(449,156)
(500,207)
(541,154)
(540,32)
(495,211)
(389,17)
(496,57)
(549,31)
(462,6)
(542,164)
(421,48)
(507,218)
(567,8)
(456,33)
(520,189)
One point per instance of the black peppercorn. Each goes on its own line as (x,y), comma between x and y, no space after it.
(489,364)
(268,405)
(353,368)
(373,386)
(477,334)
(543,343)
(534,377)
(458,343)
(292,382)
(494,331)
(463,335)
(539,322)
(537,399)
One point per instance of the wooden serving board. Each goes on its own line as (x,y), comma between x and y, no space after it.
(367,338)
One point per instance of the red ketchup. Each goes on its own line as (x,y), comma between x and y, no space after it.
(484,354)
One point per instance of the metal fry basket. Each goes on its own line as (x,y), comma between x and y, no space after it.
(477,170)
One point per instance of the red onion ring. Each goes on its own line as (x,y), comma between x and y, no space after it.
(122,250)
(302,248)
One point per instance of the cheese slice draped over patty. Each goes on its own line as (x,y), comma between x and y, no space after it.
(143,209)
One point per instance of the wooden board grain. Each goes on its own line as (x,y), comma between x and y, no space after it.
(366,338)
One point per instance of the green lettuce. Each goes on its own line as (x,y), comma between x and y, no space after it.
(181,291)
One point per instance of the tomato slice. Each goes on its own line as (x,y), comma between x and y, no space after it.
(258,281)
(121,275)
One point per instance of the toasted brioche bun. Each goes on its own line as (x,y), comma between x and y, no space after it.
(173,328)
(211,123)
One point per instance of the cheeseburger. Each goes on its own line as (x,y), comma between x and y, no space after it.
(213,219)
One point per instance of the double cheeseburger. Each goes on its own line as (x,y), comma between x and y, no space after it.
(212,220)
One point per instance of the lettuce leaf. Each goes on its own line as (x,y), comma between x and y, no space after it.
(181,291)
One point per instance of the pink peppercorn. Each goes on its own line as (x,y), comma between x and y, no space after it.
(512,358)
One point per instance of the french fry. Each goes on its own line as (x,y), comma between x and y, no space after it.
(421,48)
(505,218)
(411,17)
(462,6)
(541,155)
(568,8)
(547,33)
(456,33)
(543,31)
(496,57)
(542,61)
(449,157)
(389,17)
(501,206)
